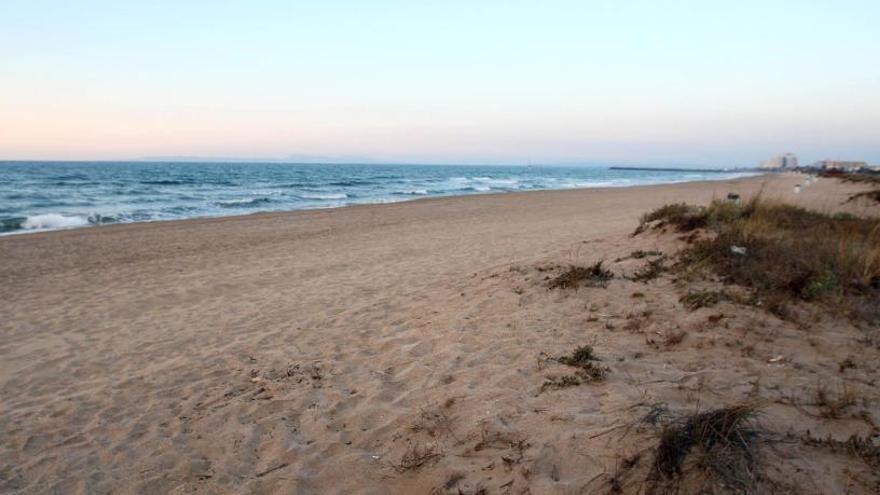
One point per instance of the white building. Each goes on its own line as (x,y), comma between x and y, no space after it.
(786,161)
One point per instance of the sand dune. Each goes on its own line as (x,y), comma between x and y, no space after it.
(319,351)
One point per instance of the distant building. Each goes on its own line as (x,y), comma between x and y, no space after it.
(786,161)
(842,165)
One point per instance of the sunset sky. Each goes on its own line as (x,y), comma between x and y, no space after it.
(647,82)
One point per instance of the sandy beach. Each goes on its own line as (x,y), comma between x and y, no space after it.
(316,351)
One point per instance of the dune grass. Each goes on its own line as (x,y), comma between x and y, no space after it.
(574,277)
(783,252)
(721,441)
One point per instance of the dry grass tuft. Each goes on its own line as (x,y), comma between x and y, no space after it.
(417,456)
(833,405)
(785,252)
(582,356)
(694,300)
(640,254)
(683,217)
(864,448)
(726,442)
(594,275)
(587,371)
(560,382)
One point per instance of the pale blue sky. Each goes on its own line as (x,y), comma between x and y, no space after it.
(708,82)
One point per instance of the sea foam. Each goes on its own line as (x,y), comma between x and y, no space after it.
(53,221)
(324,196)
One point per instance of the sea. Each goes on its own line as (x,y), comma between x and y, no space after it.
(40,196)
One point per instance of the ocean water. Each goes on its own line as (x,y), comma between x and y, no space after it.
(37,196)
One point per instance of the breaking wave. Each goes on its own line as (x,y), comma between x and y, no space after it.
(243,203)
(322,196)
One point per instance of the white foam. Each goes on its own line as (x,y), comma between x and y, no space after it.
(53,221)
(420,192)
(501,182)
(324,196)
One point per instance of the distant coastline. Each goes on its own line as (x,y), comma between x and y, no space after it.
(701,170)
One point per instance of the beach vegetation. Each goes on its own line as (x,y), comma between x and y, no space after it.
(651,270)
(694,300)
(861,447)
(719,446)
(575,276)
(833,404)
(682,216)
(640,254)
(784,252)
(582,358)
(416,456)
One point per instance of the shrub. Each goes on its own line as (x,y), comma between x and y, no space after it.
(726,443)
(797,253)
(580,357)
(682,216)
(587,371)
(594,275)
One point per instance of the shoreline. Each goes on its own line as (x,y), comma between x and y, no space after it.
(746,175)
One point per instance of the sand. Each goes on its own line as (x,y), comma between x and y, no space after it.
(315,351)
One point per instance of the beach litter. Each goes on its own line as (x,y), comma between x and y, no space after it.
(738,250)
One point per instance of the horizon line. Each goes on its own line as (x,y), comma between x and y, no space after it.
(285,161)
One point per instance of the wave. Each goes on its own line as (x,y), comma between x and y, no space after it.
(45,221)
(243,203)
(55,221)
(166,182)
(499,182)
(323,196)
(70,183)
(353,182)
(187,182)
(136,193)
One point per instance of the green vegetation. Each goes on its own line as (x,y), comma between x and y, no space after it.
(784,251)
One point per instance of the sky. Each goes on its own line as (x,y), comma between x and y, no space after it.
(564,82)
